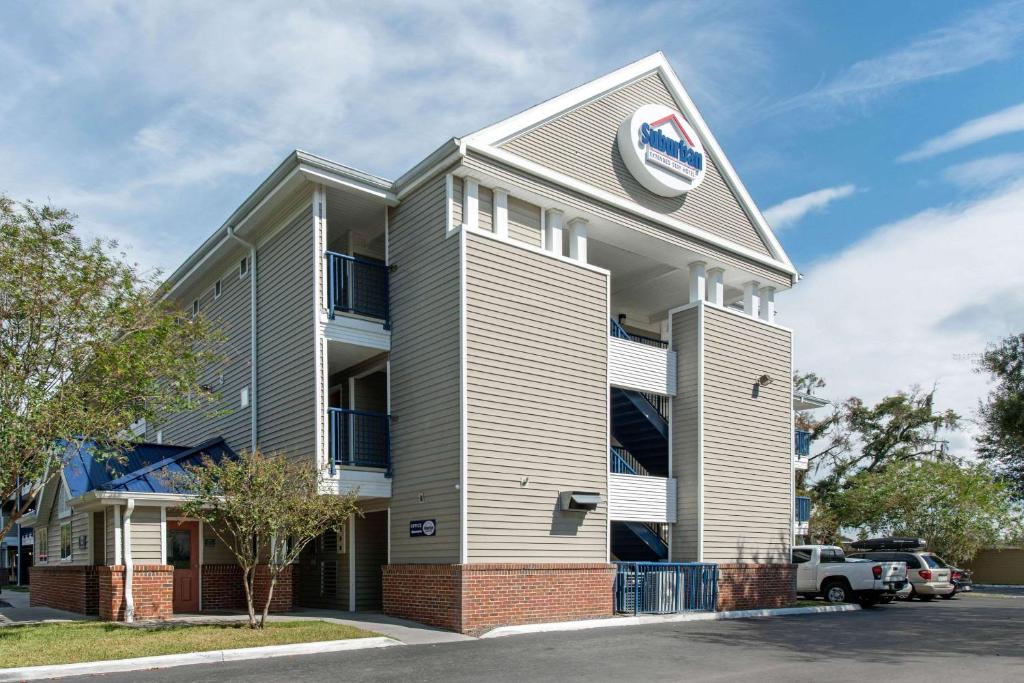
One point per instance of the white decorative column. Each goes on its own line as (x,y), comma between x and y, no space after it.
(716,286)
(698,280)
(553,231)
(501,212)
(766,297)
(751,300)
(470,202)
(578,239)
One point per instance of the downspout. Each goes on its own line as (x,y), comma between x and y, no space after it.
(129,568)
(252,334)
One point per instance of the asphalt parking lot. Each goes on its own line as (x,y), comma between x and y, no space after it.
(977,637)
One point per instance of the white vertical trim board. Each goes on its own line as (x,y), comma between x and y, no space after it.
(202,544)
(463,409)
(118,542)
(352,564)
(319,304)
(607,411)
(449,200)
(700,431)
(163,536)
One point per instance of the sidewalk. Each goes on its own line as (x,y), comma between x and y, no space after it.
(21,613)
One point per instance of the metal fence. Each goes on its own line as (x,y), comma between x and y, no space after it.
(359,438)
(803,509)
(618,331)
(665,587)
(357,285)
(802,444)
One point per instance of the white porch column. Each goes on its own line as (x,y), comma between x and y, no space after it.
(578,239)
(553,231)
(470,202)
(501,212)
(766,297)
(716,286)
(751,301)
(698,280)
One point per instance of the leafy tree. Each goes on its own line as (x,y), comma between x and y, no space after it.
(1001,416)
(87,347)
(265,509)
(957,509)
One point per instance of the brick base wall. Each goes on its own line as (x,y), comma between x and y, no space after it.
(223,589)
(75,589)
(755,586)
(152,591)
(472,598)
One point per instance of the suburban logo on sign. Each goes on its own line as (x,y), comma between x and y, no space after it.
(662,150)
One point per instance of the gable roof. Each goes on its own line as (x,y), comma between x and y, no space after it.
(489,140)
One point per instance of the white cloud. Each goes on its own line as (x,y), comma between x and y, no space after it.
(1009,120)
(912,302)
(978,37)
(987,171)
(791,211)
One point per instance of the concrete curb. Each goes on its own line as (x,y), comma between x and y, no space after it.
(35,673)
(662,619)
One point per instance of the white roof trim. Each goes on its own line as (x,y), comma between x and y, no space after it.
(497,133)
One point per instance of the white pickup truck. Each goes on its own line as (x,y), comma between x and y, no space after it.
(824,570)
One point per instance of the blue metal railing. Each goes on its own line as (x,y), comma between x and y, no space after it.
(619,464)
(359,438)
(357,285)
(802,443)
(665,587)
(619,332)
(803,509)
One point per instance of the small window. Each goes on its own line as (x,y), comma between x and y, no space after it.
(216,289)
(63,509)
(39,545)
(911,560)
(195,307)
(160,437)
(801,555)
(243,397)
(832,555)
(243,268)
(65,542)
(934,561)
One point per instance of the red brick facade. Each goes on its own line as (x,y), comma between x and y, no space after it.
(472,598)
(754,586)
(152,591)
(71,588)
(223,589)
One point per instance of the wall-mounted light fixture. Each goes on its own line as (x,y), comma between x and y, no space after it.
(764,380)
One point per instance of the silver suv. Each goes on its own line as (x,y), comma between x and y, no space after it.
(929,575)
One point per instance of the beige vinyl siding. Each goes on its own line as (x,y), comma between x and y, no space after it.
(485,201)
(582,144)
(371,554)
(509,177)
(537,402)
(425,436)
(524,222)
(109,546)
(286,390)
(685,445)
(50,519)
(229,315)
(215,551)
(146,535)
(747,440)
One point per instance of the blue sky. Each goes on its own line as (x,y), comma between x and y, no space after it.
(885,141)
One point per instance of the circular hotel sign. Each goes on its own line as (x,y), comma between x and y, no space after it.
(662,150)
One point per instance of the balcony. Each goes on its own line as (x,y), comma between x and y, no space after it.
(801,449)
(640,363)
(359,439)
(802,515)
(357,286)
(634,495)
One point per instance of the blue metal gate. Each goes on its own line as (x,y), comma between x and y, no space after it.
(665,587)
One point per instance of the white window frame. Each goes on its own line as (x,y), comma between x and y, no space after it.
(195,307)
(243,267)
(243,396)
(40,539)
(71,542)
(63,509)
(217,289)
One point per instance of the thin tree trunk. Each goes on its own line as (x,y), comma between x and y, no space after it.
(247,581)
(270,596)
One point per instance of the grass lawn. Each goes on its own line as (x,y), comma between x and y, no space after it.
(811,603)
(37,644)
(20,589)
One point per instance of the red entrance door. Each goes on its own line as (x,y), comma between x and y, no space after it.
(183,555)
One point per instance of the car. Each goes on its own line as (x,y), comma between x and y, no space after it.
(928,574)
(961,579)
(823,570)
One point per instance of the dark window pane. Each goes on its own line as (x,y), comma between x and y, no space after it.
(179,549)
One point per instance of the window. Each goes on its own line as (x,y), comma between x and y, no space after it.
(63,509)
(934,561)
(65,541)
(39,546)
(243,397)
(911,560)
(801,555)
(243,268)
(195,307)
(216,289)
(160,437)
(832,555)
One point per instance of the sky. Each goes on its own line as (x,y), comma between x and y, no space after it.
(884,141)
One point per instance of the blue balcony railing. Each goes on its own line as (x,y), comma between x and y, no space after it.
(619,332)
(803,509)
(619,464)
(802,443)
(665,587)
(359,438)
(357,285)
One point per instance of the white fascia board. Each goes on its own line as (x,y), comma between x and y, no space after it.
(317,175)
(498,133)
(605,197)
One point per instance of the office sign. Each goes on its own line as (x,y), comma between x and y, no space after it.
(422,527)
(662,150)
